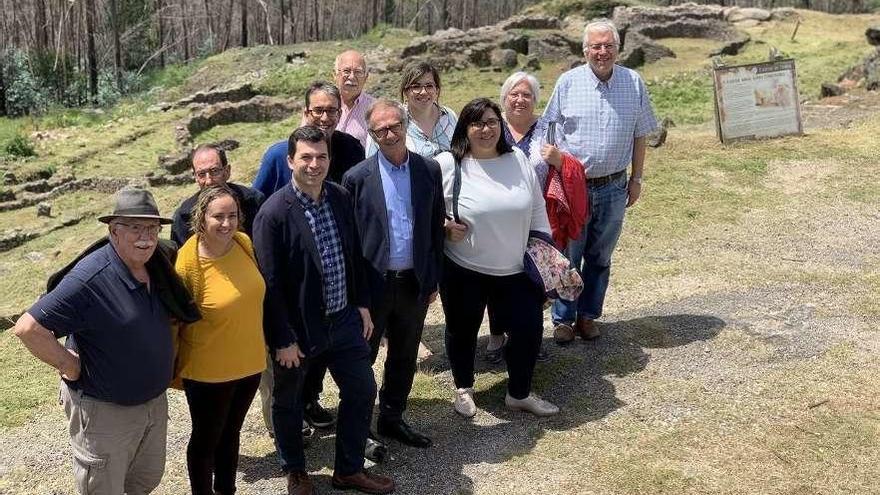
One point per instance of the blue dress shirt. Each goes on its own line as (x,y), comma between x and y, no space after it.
(398,205)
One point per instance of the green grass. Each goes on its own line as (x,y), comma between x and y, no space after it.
(27,383)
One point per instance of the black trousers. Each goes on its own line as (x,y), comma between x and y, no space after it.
(400,317)
(348,358)
(217,411)
(517,304)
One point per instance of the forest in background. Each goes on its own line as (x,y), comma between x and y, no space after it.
(75,53)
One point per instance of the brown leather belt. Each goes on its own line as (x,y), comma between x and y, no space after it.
(601,181)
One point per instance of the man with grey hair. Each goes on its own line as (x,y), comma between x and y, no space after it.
(113,304)
(350,73)
(603,114)
(399,213)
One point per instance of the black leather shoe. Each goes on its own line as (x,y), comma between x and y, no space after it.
(403,433)
(317,416)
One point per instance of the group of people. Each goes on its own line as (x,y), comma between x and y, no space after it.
(352,228)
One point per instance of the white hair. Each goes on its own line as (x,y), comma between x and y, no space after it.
(600,26)
(516,78)
(347,52)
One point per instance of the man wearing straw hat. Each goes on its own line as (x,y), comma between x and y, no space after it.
(117,360)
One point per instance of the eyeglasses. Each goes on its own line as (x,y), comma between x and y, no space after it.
(214,172)
(139,229)
(358,73)
(418,88)
(599,46)
(318,112)
(480,125)
(397,129)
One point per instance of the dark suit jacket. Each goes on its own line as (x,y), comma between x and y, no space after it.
(364,182)
(291,265)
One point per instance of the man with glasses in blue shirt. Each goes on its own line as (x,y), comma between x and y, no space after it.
(323,106)
(211,168)
(603,113)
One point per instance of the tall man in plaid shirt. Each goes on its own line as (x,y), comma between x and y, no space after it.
(603,114)
(316,311)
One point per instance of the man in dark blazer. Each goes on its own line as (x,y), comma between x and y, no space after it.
(399,211)
(316,302)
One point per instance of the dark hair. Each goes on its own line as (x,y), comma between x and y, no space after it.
(414,71)
(473,112)
(206,196)
(324,87)
(308,133)
(224,162)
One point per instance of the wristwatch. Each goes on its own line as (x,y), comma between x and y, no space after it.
(637,180)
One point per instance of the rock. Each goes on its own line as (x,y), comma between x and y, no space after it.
(830,89)
(34,256)
(554,46)
(747,23)
(732,46)
(257,109)
(7,195)
(176,163)
(503,57)
(236,93)
(784,14)
(295,55)
(227,144)
(533,63)
(638,50)
(873,35)
(44,210)
(749,13)
(9,178)
(170,180)
(532,21)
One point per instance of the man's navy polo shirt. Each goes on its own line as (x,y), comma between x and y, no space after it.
(119,328)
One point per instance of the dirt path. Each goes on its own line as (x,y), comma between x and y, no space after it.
(750,367)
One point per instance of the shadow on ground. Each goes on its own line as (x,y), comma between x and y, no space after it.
(574,378)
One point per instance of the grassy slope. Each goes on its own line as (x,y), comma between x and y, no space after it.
(698,189)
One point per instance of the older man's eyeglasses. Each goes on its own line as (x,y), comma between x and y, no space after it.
(140,229)
(358,73)
(318,112)
(213,172)
(483,124)
(599,46)
(382,132)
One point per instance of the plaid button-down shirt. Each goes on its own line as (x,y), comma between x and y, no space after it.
(599,120)
(326,234)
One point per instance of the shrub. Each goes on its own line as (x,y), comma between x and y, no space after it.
(20,146)
(24,93)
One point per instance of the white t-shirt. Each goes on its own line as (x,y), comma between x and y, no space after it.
(500,202)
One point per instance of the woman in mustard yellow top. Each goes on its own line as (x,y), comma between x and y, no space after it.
(220,357)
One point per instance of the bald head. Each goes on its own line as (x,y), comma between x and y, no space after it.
(350,75)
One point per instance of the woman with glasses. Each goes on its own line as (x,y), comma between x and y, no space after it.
(493,200)
(429,132)
(220,357)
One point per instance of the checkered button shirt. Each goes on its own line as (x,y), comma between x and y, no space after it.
(326,235)
(597,121)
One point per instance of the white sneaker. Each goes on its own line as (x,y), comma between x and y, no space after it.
(464,402)
(532,404)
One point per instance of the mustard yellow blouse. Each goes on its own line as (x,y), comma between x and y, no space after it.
(227,343)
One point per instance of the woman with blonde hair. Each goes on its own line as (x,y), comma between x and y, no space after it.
(220,357)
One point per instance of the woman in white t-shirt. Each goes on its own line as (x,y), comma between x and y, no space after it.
(499,201)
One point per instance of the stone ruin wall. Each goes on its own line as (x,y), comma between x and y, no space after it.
(830,6)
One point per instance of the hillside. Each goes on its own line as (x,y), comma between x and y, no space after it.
(741,335)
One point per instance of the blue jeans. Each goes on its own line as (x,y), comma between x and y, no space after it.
(591,252)
(348,358)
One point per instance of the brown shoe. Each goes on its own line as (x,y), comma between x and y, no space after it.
(363,481)
(298,483)
(563,333)
(587,329)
